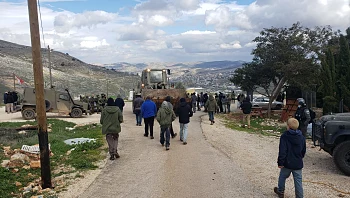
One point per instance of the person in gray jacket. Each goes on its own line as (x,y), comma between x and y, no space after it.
(137,103)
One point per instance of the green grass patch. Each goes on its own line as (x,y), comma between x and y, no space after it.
(83,157)
(267,127)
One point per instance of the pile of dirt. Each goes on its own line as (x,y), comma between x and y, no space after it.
(162,93)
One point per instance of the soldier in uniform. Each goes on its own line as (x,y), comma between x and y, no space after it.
(103,100)
(92,103)
(303,116)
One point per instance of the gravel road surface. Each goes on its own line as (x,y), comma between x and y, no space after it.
(216,162)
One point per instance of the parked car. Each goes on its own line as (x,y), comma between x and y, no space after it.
(264,103)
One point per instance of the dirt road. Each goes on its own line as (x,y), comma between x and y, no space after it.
(216,162)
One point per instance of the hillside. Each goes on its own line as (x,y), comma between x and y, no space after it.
(67,71)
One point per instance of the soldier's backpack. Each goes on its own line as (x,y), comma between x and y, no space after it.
(312,115)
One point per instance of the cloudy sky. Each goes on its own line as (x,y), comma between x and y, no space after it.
(108,31)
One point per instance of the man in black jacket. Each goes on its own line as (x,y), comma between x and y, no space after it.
(119,102)
(185,112)
(246,107)
(292,150)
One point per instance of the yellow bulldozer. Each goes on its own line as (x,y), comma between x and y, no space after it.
(155,84)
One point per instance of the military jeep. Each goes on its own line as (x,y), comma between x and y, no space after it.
(332,134)
(55,102)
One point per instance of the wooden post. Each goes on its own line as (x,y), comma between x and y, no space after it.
(48,47)
(39,95)
(14,82)
(107,89)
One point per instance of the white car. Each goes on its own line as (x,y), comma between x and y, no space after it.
(264,103)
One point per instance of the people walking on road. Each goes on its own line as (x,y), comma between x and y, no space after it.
(168,99)
(303,116)
(111,117)
(119,102)
(221,95)
(246,107)
(292,149)
(194,101)
(205,99)
(212,106)
(137,103)
(198,102)
(165,117)
(217,102)
(184,111)
(233,97)
(224,103)
(148,112)
(228,103)
(240,99)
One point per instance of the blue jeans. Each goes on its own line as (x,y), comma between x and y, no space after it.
(165,131)
(297,176)
(138,118)
(211,115)
(183,132)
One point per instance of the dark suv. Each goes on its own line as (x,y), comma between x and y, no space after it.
(332,134)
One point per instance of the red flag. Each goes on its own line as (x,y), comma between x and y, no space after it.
(20,81)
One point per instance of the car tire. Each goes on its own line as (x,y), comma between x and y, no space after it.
(76,113)
(47,105)
(341,157)
(28,113)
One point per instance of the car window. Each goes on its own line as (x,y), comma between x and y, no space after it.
(258,100)
(64,97)
(266,100)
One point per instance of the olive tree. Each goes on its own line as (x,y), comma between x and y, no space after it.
(283,56)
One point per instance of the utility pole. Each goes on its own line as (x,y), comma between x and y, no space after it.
(14,82)
(39,95)
(107,88)
(48,47)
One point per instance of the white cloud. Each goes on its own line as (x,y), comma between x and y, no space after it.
(176,45)
(233,45)
(198,32)
(166,30)
(93,43)
(186,4)
(65,22)
(159,20)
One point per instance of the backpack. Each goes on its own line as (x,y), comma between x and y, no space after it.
(312,115)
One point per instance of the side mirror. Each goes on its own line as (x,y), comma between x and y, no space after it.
(168,71)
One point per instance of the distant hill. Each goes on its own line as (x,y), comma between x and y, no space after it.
(211,76)
(86,79)
(219,64)
(67,71)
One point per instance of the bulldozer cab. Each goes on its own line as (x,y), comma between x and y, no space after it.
(154,79)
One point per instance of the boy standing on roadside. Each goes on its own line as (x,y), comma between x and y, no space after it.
(292,150)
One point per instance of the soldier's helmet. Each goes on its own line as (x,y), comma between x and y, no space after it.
(301,101)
